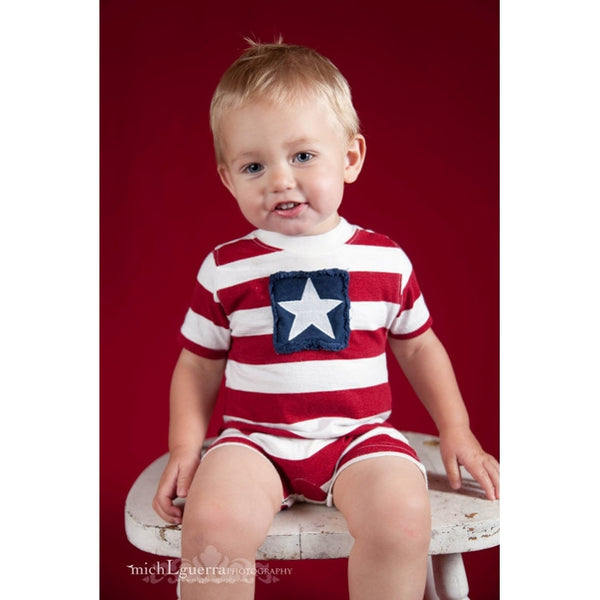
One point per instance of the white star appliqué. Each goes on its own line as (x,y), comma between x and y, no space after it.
(310,310)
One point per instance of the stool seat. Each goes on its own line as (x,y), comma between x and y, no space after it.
(462,521)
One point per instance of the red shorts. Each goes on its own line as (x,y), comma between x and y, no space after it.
(309,467)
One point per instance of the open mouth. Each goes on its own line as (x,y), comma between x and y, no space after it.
(286,205)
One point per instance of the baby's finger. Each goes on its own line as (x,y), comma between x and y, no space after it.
(163,499)
(453,472)
(185,475)
(488,485)
(493,469)
(486,479)
(166,510)
(184,481)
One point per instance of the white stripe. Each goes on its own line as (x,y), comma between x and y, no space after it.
(307,376)
(281,447)
(370,316)
(204,332)
(289,448)
(319,428)
(252,321)
(206,274)
(389,431)
(364,316)
(349,257)
(410,320)
(328,487)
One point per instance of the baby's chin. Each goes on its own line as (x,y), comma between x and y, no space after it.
(300,226)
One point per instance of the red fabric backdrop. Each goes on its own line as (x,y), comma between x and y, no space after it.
(425,82)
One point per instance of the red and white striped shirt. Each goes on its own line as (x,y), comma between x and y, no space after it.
(303,323)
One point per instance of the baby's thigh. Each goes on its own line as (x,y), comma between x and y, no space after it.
(235,488)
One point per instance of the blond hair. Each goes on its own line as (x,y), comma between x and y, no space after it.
(282,73)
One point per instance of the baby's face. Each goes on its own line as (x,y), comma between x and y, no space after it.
(286,165)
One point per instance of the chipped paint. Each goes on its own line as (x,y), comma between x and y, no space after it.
(161,531)
(489,535)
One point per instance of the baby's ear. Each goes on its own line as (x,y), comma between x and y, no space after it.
(225,179)
(355,157)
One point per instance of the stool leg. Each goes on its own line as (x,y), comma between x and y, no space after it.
(450,577)
(430,593)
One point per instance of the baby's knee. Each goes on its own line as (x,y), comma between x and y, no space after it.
(395,524)
(213,522)
(411,519)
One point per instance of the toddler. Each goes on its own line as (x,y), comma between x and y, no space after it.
(296,316)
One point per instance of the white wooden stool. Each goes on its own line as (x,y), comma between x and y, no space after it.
(462,521)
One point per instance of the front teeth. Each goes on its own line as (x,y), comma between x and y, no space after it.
(286,205)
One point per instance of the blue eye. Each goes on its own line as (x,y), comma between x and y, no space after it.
(303,157)
(253,169)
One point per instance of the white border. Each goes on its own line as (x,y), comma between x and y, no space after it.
(49,306)
(550,166)
(549,199)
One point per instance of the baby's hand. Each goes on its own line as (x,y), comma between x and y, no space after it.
(174,483)
(459,446)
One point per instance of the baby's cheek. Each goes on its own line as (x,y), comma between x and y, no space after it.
(327,192)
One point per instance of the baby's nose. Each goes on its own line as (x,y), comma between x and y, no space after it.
(281,178)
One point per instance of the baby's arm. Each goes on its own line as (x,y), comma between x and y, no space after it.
(426,365)
(194,388)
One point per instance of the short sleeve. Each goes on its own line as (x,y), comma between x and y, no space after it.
(413,318)
(205,330)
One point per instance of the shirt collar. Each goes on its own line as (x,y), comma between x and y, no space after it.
(309,244)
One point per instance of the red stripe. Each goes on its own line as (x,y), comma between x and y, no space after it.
(291,408)
(240,250)
(249,429)
(308,475)
(365,286)
(415,333)
(411,292)
(201,350)
(369,238)
(246,295)
(378,443)
(203,303)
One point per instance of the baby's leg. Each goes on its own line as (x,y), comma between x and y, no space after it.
(385,502)
(229,509)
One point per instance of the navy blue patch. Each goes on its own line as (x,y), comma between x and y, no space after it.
(311,310)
